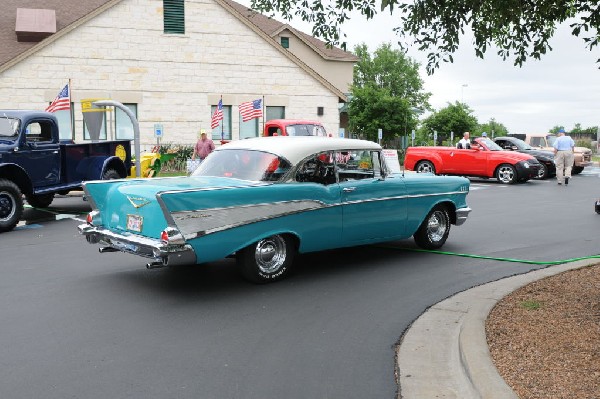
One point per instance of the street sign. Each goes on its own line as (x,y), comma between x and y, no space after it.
(380,133)
(158,130)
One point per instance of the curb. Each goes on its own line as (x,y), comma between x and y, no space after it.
(444,353)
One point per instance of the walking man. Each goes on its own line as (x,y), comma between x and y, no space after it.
(203,147)
(563,157)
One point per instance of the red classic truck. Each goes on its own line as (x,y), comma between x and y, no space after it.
(484,159)
(294,127)
(34,162)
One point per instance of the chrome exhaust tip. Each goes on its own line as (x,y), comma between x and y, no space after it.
(154,265)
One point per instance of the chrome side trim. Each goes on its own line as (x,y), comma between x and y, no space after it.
(462,214)
(404,197)
(200,222)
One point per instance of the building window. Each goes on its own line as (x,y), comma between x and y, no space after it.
(223,131)
(123,125)
(66,120)
(102,134)
(285,42)
(174,16)
(275,113)
(249,128)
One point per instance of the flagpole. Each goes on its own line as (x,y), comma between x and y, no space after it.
(263,116)
(222,122)
(71,119)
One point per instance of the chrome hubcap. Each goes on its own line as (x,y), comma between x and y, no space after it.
(270,254)
(506,174)
(425,168)
(542,171)
(436,226)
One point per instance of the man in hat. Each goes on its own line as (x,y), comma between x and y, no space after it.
(563,156)
(203,147)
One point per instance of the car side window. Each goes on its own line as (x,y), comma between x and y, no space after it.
(317,169)
(357,164)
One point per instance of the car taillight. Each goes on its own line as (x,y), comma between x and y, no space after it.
(164,236)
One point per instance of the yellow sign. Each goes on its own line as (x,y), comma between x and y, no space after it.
(87,105)
(120,152)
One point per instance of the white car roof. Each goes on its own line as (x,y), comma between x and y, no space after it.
(296,148)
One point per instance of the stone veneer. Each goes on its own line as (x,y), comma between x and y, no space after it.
(124,55)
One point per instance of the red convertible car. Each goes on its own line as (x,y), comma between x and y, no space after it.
(484,159)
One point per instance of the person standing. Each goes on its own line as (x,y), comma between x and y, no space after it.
(465,142)
(203,147)
(563,156)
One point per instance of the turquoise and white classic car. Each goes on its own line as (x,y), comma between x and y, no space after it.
(263,200)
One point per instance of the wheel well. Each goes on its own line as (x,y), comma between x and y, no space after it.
(17,176)
(450,207)
(116,164)
(501,165)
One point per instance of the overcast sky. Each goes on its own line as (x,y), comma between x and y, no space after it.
(561,89)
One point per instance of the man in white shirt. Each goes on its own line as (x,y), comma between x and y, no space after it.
(465,142)
(563,156)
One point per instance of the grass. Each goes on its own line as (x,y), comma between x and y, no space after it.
(171,173)
(531,305)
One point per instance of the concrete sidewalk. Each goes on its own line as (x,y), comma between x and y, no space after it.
(444,353)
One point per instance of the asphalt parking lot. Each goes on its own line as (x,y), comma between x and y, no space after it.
(77,323)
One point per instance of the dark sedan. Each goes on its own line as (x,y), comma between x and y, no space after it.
(546,158)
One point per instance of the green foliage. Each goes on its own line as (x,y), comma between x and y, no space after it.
(497,128)
(520,29)
(182,152)
(587,143)
(455,118)
(387,90)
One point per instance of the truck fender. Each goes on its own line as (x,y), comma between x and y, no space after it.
(418,155)
(93,168)
(17,175)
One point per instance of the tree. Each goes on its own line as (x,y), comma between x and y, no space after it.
(517,28)
(497,128)
(457,118)
(385,91)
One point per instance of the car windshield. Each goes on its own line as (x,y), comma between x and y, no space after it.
(551,139)
(490,144)
(520,144)
(9,128)
(305,130)
(244,164)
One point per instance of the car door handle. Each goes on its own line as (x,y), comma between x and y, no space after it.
(348,189)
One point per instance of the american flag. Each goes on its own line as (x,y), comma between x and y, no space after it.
(217,116)
(61,102)
(250,110)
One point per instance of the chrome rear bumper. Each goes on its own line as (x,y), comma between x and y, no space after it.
(167,254)
(461,215)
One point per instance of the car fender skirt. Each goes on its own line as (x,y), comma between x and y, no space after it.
(461,215)
(167,254)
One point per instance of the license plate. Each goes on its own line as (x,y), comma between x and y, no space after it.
(134,223)
(123,246)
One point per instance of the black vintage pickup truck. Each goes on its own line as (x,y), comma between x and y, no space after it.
(35,163)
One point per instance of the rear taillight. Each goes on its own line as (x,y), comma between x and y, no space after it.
(164,237)
(93,218)
(172,236)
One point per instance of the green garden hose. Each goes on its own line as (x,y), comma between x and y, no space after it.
(531,262)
